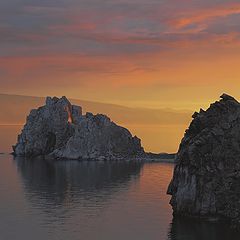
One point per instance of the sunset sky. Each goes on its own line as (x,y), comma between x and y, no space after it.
(173,54)
(154,53)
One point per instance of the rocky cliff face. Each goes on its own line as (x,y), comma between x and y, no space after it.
(206,180)
(59,130)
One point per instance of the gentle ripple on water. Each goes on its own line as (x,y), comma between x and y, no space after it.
(82,200)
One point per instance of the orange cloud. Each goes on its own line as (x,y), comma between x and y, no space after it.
(90,70)
(198,16)
(180,67)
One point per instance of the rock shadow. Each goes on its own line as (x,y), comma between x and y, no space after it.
(192,229)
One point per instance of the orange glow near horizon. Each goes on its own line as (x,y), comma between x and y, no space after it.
(211,73)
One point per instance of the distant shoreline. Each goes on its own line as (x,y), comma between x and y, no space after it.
(160,161)
(160,157)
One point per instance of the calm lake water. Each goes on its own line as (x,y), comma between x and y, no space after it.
(71,200)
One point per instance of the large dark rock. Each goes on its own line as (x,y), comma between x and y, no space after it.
(59,130)
(206,180)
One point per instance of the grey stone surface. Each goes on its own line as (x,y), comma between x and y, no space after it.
(206,180)
(59,130)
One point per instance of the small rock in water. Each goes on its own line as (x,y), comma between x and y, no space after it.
(206,180)
(60,130)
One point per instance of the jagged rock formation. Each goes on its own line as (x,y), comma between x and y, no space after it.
(59,130)
(206,180)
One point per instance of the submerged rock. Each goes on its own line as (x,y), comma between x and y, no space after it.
(206,180)
(60,130)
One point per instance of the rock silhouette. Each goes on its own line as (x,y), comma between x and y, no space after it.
(60,130)
(206,180)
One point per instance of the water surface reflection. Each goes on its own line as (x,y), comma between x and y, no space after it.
(191,229)
(52,185)
(94,200)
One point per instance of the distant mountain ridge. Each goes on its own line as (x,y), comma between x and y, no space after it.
(15,108)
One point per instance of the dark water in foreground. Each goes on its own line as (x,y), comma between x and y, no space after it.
(92,201)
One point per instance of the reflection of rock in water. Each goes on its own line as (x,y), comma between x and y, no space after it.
(189,229)
(66,184)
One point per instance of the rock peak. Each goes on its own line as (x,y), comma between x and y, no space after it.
(54,100)
(226,97)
